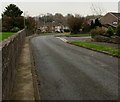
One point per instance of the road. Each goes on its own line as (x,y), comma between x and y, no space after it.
(68,72)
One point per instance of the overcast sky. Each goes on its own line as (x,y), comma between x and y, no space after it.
(82,7)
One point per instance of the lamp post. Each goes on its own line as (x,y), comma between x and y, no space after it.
(118,12)
(24,20)
(36,28)
(43,15)
(25,15)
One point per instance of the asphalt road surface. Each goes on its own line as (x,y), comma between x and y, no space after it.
(68,72)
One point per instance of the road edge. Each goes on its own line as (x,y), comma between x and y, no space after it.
(36,81)
(113,55)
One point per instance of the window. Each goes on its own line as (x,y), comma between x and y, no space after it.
(115,22)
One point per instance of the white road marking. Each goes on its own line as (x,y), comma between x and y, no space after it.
(63,39)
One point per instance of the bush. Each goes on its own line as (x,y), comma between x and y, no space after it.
(118,30)
(66,30)
(30,23)
(93,32)
(86,28)
(15,29)
(110,31)
(7,24)
(98,31)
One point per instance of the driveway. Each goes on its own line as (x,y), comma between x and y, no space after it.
(77,38)
(115,46)
(68,72)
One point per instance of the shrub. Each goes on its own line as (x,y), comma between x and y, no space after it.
(7,23)
(19,22)
(15,29)
(30,23)
(93,32)
(86,28)
(98,31)
(110,31)
(118,30)
(66,30)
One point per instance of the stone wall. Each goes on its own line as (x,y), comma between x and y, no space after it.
(112,39)
(29,32)
(11,49)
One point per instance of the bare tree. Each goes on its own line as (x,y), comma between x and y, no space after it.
(75,24)
(97,10)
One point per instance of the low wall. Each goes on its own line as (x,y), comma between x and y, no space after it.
(11,49)
(112,39)
(29,32)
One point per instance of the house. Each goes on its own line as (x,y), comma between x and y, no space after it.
(110,19)
(119,6)
(45,29)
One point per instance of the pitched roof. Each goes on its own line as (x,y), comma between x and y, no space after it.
(116,14)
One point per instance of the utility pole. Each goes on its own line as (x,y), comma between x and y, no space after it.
(45,20)
(25,14)
(24,20)
(36,23)
(43,16)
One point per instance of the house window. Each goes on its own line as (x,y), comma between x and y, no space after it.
(115,23)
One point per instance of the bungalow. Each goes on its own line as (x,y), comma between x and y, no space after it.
(110,19)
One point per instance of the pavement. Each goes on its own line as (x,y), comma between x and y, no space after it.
(69,72)
(23,87)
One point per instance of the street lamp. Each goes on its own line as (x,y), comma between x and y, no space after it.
(24,20)
(36,24)
(43,15)
(25,15)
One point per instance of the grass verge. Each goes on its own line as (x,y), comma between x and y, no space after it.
(74,35)
(5,35)
(48,33)
(99,48)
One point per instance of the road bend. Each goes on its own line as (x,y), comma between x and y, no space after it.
(69,72)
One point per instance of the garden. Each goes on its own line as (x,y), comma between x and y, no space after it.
(103,40)
(109,35)
(5,35)
(13,21)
